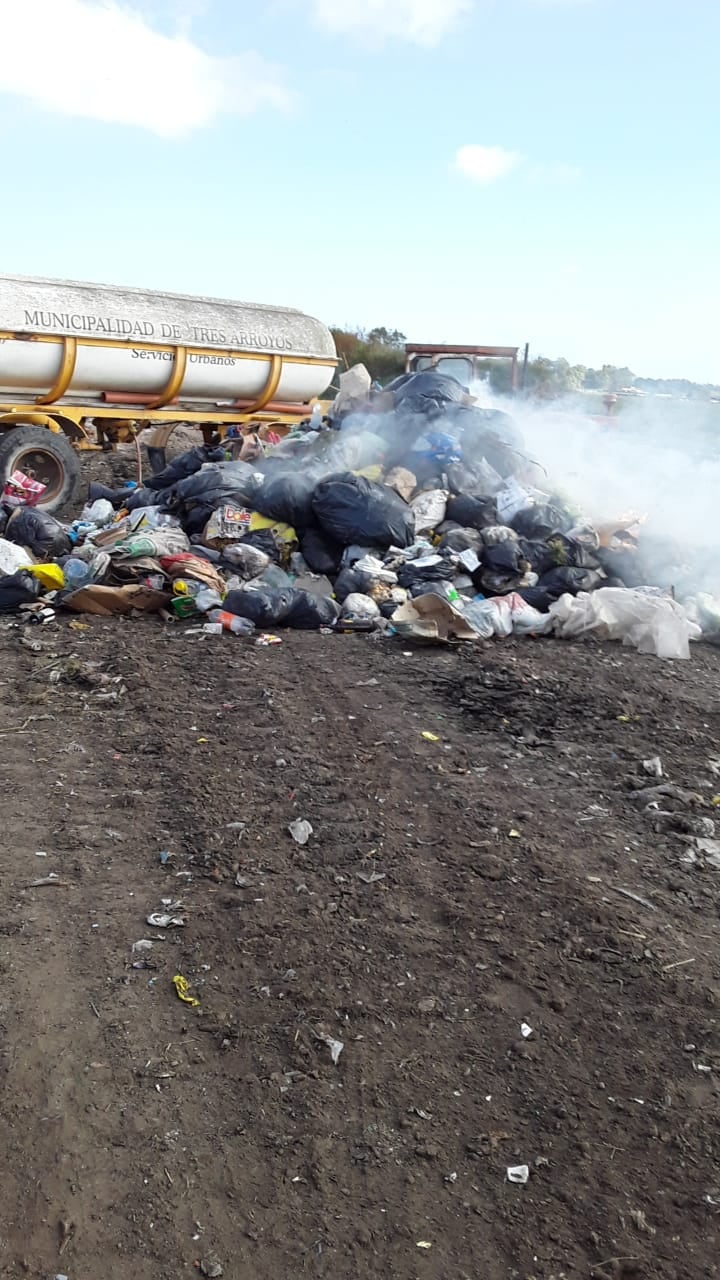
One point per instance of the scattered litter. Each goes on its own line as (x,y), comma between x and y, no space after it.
(370,877)
(525,1030)
(211,1268)
(300,830)
(424,1244)
(164,920)
(165,857)
(519,1173)
(142,944)
(182,987)
(653,767)
(430,737)
(44,881)
(335,1046)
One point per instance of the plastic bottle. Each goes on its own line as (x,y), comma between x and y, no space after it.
(77,573)
(316,418)
(231,622)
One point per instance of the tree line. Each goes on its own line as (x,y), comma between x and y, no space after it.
(382,352)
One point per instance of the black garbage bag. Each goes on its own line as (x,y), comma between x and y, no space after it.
(568,551)
(427,393)
(220,482)
(322,554)
(538,554)
(460,539)
(542,520)
(347,583)
(309,611)
(266,608)
(474,479)
(505,557)
(195,521)
(434,587)
(472,512)
(352,509)
(39,532)
(571,579)
(412,572)
(535,596)
(186,464)
(287,497)
(4,516)
(265,540)
(146,498)
(16,589)
(283,607)
(118,497)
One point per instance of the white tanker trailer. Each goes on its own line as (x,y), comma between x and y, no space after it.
(86,364)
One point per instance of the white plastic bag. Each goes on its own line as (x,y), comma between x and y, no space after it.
(651,624)
(429,508)
(13,557)
(359,608)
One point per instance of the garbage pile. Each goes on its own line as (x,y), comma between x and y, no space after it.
(412,512)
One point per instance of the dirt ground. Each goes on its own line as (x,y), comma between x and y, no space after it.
(451,891)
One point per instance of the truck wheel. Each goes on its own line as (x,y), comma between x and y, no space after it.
(44,456)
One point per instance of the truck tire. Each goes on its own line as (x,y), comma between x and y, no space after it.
(45,456)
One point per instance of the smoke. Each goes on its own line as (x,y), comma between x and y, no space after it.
(655,459)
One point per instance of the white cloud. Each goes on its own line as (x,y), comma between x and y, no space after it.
(422,22)
(485,164)
(101,60)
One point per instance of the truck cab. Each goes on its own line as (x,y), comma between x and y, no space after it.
(464,363)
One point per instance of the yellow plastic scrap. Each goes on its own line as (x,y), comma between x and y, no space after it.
(430,737)
(50,575)
(285,532)
(182,986)
(373,472)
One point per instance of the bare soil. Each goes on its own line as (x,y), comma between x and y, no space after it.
(451,891)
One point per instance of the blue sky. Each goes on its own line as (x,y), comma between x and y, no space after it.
(491,171)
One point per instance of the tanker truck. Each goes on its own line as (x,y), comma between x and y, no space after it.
(88,366)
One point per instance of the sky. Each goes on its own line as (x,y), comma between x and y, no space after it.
(469,171)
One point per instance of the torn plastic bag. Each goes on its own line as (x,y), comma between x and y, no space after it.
(352,509)
(472,513)
(44,536)
(431,620)
(16,589)
(186,464)
(473,479)
(541,520)
(429,509)
(649,623)
(570,580)
(266,540)
(487,619)
(323,554)
(287,496)
(246,560)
